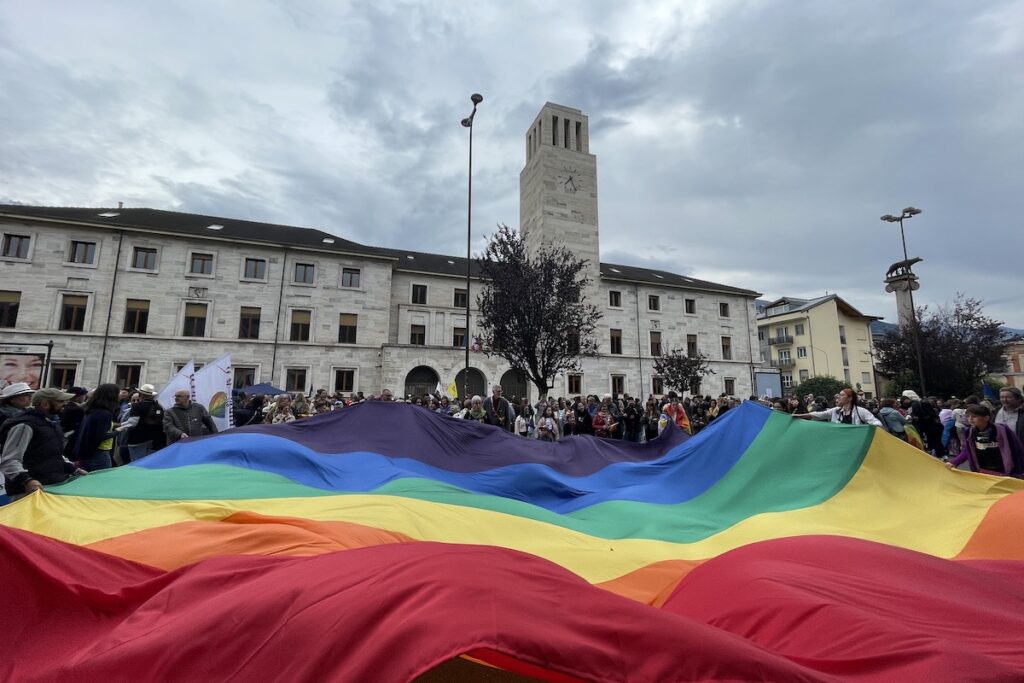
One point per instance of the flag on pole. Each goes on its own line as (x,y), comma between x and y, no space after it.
(182,380)
(989,392)
(213,390)
(439,390)
(452,391)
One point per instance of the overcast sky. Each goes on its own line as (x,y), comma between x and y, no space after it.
(750,143)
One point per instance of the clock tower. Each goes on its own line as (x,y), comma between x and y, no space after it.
(558,188)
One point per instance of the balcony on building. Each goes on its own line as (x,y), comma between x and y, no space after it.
(783,363)
(781,339)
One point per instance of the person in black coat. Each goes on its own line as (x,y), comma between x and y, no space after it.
(71,418)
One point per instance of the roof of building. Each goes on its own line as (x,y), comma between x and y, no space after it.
(192,224)
(664,278)
(800,305)
(217,227)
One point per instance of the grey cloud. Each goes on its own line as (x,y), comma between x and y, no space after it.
(760,145)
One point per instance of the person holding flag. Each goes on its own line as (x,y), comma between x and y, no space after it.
(677,412)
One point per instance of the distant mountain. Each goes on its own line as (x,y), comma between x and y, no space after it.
(880,327)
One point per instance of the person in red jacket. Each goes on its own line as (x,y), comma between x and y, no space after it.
(603,423)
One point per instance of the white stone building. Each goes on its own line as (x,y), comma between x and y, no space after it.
(129,295)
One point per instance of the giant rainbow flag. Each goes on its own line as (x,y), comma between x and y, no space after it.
(385,543)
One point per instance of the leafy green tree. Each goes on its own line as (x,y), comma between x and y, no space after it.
(960,345)
(533,312)
(682,372)
(820,385)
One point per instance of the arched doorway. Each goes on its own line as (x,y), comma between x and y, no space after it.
(514,386)
(477,384)
(420,380)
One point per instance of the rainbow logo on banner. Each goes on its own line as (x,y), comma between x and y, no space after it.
(218,404)
(382,541)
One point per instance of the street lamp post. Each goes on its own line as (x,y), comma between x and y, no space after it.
(467,122)
(910,212)
(828,364)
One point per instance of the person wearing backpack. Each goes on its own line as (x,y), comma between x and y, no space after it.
(33,446)
(893,420)
(144,424)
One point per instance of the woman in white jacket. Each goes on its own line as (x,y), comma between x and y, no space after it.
(847,412)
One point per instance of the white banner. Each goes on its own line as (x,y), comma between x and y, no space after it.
(213,390)
(183,380)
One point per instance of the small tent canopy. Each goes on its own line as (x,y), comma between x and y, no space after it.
(262,389)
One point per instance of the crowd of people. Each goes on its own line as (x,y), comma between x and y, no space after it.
(986,436)
(48,435)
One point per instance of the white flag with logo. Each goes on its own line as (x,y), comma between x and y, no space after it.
(213,391)
(183,380)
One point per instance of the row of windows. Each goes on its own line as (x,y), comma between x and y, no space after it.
(615,344)
(199,262)
(64,374)
(136,321)
(787,379)
(460,299)
(73,308)
(574,385)
(801,352)
(781,333)
(418,336)
(654,304)
(253,268)
(202,264)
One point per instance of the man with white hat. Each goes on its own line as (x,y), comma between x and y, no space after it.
(144,424)
(14,399)
(33,445)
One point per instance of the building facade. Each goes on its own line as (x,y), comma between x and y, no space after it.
(1014,374)
(818,337)
(130,295)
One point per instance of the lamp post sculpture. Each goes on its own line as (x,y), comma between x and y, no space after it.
(901,279)
(467,122)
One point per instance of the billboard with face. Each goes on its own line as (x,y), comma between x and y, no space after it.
(22,367)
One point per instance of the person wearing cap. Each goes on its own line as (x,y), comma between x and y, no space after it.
(144,425)
(33,445)
(14,399)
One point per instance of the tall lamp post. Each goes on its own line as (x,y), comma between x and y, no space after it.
(910,212)
(467,122)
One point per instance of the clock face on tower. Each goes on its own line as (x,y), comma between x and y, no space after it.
(571,180)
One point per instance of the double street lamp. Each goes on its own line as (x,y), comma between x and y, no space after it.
(908,213)
(467,122)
